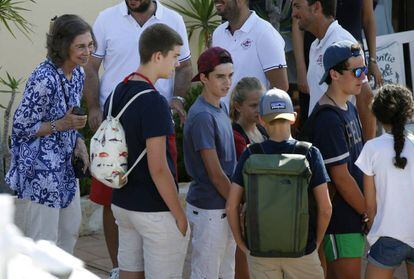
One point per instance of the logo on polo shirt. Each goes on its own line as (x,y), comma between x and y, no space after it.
(319,61)
(246,43)
(277,105)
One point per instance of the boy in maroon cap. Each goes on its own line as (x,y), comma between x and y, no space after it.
(210,159)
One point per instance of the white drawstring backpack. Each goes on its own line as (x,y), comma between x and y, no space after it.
(109,151)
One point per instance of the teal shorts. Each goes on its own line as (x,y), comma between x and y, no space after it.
(347,245)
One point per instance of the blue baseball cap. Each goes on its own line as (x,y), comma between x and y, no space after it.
(336,53)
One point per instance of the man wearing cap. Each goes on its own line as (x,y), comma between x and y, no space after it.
(255,45)
(336,131)
(276,111)
(210,158)
(318,17)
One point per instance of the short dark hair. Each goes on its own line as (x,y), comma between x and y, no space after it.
(63,31)
(157,38)
(343,65)
(328,6)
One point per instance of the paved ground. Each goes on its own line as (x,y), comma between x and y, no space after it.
(92,250)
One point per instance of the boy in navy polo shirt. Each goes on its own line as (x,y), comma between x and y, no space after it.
(277,121)
(210,158)
(153,228)
(336,131)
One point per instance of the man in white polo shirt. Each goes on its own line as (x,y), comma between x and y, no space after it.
(317,17)
(255,45)
(117,31)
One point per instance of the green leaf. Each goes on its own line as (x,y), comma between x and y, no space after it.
(199,14)
(11,13)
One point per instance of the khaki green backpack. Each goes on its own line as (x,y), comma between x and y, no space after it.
(276,195)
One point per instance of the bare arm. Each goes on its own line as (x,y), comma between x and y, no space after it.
(91,92)
(299,52)
(370,198)
(370,30)
(182,82)
(215,172)
(69,121)
(324,211)
(346,185)
(163,179)
(363,103)
(232,210)
(278,78)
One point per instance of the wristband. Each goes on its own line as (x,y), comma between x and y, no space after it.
(179,98)
(53,126)
(373,60)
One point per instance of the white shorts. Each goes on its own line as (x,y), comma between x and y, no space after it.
(150,241)
(213,245)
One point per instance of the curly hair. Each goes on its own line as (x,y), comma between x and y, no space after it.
(240,92)
(63,30)
(393,105)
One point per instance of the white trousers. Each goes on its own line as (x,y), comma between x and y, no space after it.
(213,245)
(59,225)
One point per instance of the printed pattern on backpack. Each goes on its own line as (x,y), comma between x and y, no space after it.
(109,151)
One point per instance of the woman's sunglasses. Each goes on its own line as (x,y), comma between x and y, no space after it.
(358,71)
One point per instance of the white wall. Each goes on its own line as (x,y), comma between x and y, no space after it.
(20,56)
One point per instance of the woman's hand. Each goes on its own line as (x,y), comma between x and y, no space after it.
(82,152)
(71,121)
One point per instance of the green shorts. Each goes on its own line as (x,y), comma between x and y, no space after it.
(347,245)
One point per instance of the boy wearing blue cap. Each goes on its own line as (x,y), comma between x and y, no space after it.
(277,114)
(335,129)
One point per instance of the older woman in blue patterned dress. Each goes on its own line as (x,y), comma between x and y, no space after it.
(45,136)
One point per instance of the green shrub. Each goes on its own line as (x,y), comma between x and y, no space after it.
(192,95)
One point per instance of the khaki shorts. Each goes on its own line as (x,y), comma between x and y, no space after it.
(308,267)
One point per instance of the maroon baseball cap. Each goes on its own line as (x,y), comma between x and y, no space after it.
(210,58)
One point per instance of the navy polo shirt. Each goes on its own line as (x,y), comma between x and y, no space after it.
(146,117)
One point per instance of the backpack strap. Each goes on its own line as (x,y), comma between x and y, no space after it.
(129,102)
(255,148)
(302,147)
(136,163)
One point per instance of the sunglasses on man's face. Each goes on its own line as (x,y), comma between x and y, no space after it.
(358,71)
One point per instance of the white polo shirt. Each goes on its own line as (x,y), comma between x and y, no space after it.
(117,34)
(335,33)
(255,48)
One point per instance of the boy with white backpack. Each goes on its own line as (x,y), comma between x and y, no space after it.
(153,228)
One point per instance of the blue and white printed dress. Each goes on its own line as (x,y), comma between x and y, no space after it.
(41,169)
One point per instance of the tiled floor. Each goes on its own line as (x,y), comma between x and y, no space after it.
(92,250)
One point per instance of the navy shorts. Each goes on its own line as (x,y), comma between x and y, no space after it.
(389,253)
